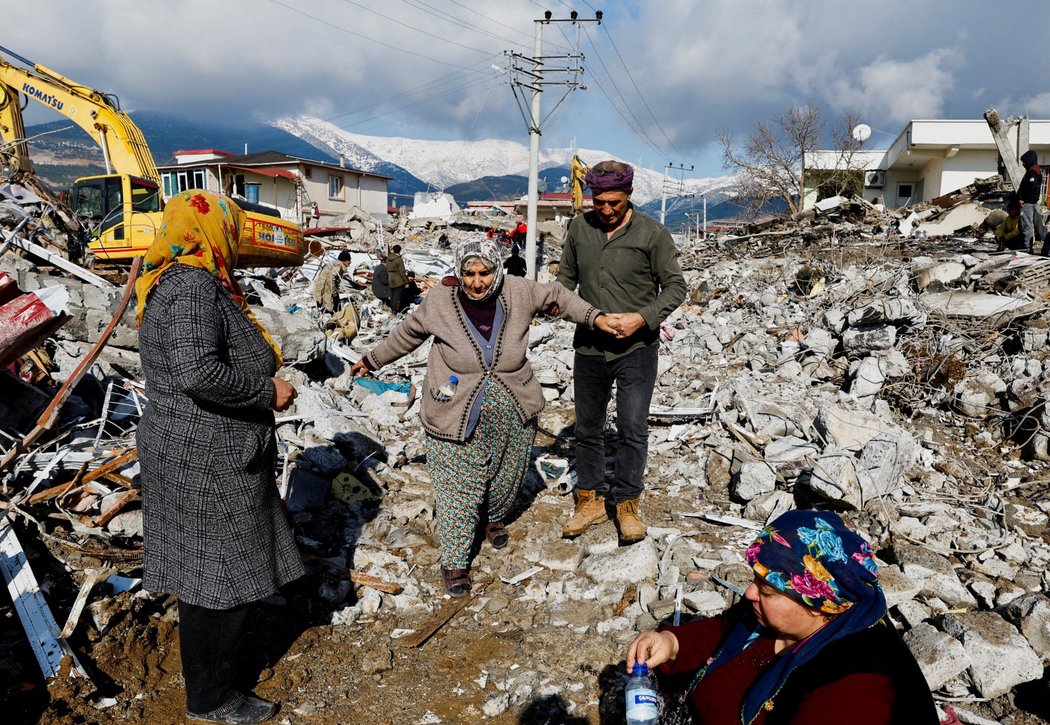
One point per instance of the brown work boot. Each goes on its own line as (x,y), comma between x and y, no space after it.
(631,527)
(590,510)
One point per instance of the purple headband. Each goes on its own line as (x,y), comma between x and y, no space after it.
(601,180)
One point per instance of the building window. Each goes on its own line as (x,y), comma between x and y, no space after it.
(307,172)
(251,193)
(904,194)
(170,184)
(335,187)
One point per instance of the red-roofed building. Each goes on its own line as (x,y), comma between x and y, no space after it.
(289,184)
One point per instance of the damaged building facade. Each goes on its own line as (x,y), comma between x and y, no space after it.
(928,159)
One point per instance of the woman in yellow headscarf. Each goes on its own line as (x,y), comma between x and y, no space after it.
(214,531)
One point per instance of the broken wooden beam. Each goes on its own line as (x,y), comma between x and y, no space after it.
(440,618)
(367,580)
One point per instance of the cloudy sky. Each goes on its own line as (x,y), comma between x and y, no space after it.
(662,76)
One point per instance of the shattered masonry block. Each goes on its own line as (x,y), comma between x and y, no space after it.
(864,340)
(1000,658)
(940,656)
(754,477)
(849,429)
(834,477)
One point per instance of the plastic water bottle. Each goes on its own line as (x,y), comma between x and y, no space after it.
(642,700)
(447,390)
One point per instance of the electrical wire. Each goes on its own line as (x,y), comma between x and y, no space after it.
(367,37)
(636,125)
(412,27)
(639,92)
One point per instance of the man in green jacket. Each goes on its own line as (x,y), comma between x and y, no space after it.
(623,262)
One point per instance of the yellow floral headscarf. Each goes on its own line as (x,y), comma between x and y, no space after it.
(199,229)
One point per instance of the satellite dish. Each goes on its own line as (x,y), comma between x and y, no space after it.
(565,179)
(861,132)
(541,185)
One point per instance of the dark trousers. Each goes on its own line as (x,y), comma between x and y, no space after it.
(1032,229)
(396,293)
(634,375)
(209,640)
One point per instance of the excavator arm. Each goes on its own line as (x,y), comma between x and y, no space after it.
(123,146)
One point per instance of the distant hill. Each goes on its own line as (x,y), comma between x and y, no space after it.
(513,186)
(61,152)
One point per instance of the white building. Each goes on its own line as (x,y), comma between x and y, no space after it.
(928,159)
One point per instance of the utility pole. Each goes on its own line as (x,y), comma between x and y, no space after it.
(681,183)
(704,197)
(534,80)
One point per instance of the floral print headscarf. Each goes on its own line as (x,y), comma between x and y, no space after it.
(199,229)
(813,558)
(478,246)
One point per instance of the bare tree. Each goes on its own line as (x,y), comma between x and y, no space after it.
(770,161)
(847,176)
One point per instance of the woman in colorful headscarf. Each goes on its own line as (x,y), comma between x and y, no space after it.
(214,531)
(809,643)
(480,397)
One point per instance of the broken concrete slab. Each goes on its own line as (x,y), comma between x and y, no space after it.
(940,656)
(1000,658)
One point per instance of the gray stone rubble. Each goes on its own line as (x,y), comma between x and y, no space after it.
(904,386)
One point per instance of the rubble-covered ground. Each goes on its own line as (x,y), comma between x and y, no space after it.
(893,368)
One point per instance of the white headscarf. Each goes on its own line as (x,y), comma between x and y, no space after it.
(479,246)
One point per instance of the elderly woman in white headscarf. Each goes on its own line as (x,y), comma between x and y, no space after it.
(480,397)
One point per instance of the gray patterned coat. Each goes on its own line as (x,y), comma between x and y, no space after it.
(214,532)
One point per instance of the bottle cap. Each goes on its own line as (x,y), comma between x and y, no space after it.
(453,379)
(641,669)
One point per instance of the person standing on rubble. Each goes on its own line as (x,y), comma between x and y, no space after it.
(380,281)
(328,283)
(315,215)
(480,396)
(396,277)
(623,261)
(1032,229)
(515,265)
(215,535)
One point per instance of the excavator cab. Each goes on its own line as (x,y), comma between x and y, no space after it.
(120,212)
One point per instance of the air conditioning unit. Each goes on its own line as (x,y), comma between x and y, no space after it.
(875,179)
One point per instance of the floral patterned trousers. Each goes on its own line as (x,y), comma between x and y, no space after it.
(480,476)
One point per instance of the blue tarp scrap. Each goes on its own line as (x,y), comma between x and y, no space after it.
(382,386)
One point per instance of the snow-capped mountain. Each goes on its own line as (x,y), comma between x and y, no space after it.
(445,163)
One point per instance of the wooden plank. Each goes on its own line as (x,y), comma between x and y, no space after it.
(438,619)
(372,582)
(37,620)
(93,578)
(101,520)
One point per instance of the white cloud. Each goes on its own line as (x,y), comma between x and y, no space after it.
(900,90)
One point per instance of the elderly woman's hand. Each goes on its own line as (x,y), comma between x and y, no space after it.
(608,323)
(652,648)
(283,395)
(359,368)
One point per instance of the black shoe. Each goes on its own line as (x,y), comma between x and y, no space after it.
(238,710)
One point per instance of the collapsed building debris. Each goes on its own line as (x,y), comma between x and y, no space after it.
(891,366)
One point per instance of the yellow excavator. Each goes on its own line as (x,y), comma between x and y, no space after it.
(121,209)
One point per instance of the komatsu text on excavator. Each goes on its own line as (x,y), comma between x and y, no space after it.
(121,208)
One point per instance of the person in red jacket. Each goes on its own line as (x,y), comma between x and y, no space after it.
(808,644)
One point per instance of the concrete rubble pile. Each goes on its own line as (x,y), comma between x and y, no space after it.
(840,360)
